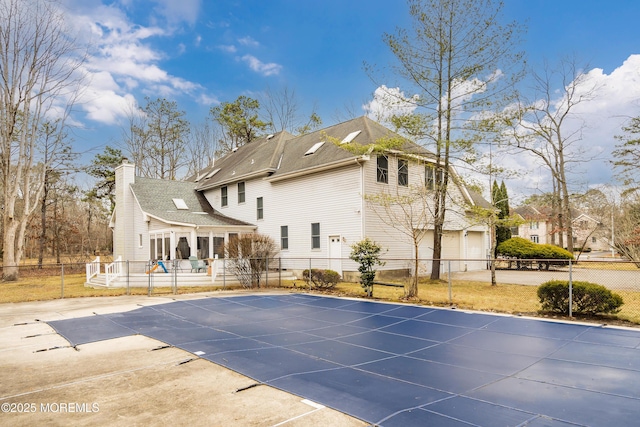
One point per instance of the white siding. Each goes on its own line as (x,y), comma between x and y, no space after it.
(331,198)
(334,200)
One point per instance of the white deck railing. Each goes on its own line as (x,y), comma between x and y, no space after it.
(93,268)
(113,271)
(214,269)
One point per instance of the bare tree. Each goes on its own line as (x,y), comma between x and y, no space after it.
(57,160)
(38,63)
(626,239)
(157,138)
(202,147)
(458,59)
(410,212)
(545,126)
(627,154)
(282,112)
(248,257)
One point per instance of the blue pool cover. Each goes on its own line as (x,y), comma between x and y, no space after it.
(401,365)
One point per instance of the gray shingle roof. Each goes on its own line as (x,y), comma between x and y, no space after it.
(155,197)
(284,154)
(259,157)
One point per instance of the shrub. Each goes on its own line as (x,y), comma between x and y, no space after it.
(588,298)
(322,279)
(517,247)
(248,257)
(367,254)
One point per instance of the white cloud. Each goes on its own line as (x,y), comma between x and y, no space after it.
(123,60)
(387,102)
(266,69)
(177,11)
(229,48)
(248,41)
(595,123)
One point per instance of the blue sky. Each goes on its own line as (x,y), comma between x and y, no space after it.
(202,52)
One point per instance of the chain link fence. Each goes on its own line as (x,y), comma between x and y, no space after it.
(464,283)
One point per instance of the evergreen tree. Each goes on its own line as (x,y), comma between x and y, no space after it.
(501,202)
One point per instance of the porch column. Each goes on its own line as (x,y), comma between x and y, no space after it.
(193,247)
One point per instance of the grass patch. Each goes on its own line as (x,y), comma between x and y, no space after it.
(481,296)
(602,265)
(49,288)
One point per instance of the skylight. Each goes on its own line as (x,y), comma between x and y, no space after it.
(180,204)
(314,148)
(213,172)
(350,137)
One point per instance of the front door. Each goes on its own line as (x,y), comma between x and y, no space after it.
(335,254)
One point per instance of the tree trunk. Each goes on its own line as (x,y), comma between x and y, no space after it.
(10,269)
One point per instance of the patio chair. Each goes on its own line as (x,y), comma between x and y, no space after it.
(197,264)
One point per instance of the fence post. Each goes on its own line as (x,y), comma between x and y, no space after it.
(174,285)
(279,272)
(266,276)
(449,275)
(150,278)
(570,289)
(309,280)
(61,280)
(224,273)
(128,285)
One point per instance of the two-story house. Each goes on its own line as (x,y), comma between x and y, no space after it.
(307,192)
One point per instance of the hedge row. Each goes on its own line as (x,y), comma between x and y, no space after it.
(520,248)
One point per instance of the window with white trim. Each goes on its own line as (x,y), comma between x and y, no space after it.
(403,172)
(224,196)
(241,192)
(284,237)
(383,169)
(259,208)
(315,235)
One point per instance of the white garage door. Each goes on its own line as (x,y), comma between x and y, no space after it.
(475,251)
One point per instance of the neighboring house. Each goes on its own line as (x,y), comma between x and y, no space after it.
(538,227)
(590,234)
(306,192)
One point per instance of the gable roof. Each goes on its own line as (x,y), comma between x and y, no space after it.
(528,212)
(257,158)
(155,197)
(284,155)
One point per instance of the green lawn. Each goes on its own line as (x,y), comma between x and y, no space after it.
(503,298)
